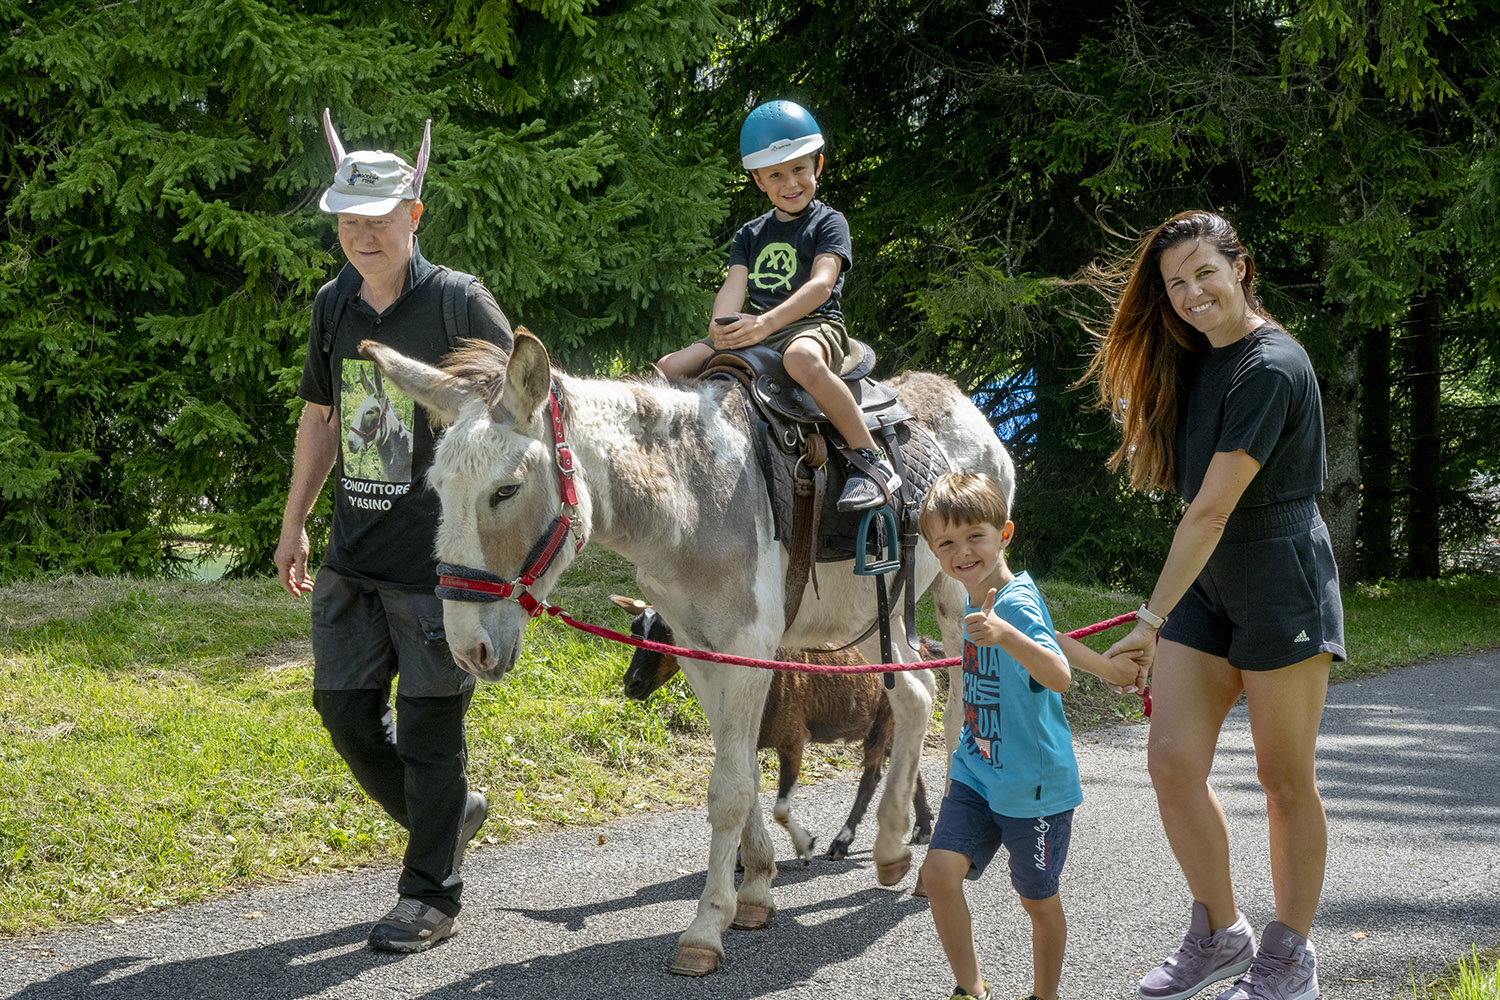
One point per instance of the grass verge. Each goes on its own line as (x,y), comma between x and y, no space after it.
(1475,976)
(158,745)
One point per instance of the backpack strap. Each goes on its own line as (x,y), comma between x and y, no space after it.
(455,311)
(456,305)
(331,318)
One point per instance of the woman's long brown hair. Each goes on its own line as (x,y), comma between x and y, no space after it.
(1140,363)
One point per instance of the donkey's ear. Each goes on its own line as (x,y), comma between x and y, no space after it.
(528,380)
(632,604)
(441,395)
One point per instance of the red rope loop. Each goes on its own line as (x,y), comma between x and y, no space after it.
(812,668)
(808,668)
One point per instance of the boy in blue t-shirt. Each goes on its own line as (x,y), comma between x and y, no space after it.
(791,263)
(1014,777)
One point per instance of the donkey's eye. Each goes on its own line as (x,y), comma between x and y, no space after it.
(503,493)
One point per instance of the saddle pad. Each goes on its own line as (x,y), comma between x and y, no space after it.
(922,461)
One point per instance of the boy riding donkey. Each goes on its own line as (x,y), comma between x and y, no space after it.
(791,262)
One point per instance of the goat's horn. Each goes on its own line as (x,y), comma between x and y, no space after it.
(334,146)
(422,158)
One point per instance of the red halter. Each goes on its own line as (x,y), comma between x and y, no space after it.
(466,583)
(378,428)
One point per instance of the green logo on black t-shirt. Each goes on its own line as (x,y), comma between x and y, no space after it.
(775,267)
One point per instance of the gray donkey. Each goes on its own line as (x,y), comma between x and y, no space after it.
(535,463)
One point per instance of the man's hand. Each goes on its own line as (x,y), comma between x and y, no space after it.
(291,563)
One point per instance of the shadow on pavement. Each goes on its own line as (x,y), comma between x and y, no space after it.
(756,962)
(279,970)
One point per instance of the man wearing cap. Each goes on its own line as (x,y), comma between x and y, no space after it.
(375,617)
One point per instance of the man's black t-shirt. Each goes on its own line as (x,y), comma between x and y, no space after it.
(1259,394)
(384,515)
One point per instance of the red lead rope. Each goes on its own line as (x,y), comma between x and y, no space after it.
(809,668)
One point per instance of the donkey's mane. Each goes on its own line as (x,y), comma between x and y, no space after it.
(480,365)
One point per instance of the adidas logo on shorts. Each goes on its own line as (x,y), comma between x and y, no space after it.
(1302,637)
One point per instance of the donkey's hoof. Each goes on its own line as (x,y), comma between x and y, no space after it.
(838,850)
(894,871)
(692,960)
(749,917)
(919,889)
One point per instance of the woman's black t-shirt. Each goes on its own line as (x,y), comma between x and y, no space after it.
(1259,394)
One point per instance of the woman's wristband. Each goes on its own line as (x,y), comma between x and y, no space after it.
(1150,618)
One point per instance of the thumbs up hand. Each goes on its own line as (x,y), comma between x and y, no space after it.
(984,626)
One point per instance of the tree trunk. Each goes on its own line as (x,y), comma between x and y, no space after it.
(1340,500)
(1377,457)
(1422,528)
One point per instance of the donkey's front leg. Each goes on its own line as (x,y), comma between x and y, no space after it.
(911,707)
(733,699)
(754,905)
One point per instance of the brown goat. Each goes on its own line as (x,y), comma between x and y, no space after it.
(800,708)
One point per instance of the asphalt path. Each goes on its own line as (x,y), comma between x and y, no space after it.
(1407,768)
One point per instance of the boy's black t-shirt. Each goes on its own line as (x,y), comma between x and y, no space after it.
(779,256)
(384,515)
(1259,394)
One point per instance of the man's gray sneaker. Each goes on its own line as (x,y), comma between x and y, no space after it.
(412,926)
(1285,968)
(1203,957)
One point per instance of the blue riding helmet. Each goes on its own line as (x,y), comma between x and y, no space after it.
(777,131)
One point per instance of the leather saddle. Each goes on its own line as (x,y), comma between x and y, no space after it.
(792,437)
(788,408)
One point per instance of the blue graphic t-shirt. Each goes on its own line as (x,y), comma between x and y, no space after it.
(1015,748)
(779,256)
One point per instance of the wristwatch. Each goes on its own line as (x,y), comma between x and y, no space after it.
(1149,618)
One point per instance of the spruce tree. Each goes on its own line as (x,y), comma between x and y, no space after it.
(161,243)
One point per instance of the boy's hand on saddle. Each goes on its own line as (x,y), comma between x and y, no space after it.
(745,331)
(985,627)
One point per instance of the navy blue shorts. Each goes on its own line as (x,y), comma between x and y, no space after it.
(1038,845)
(1269,596)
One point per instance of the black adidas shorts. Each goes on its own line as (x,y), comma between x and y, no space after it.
(1269,596)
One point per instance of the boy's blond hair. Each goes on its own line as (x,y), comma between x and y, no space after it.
(962,498)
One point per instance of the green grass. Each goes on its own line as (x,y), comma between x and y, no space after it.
(158,744)
(1475,976)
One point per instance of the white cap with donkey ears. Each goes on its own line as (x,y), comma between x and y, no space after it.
(371,182)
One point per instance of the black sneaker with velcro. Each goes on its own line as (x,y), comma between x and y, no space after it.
(861,490)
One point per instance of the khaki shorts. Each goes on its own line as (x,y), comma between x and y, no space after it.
(830,334)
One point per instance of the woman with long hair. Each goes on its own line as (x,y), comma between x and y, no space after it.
(1218,403)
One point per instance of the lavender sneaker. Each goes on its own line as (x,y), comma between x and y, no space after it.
(1203,957)
(1285,968)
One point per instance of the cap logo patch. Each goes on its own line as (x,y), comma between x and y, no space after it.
(356,177)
